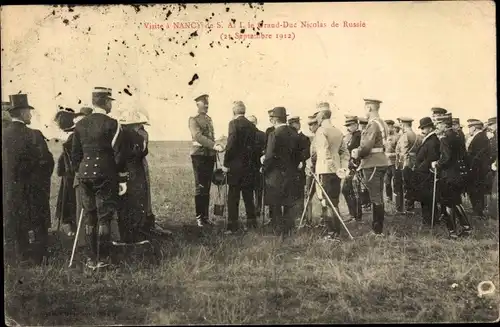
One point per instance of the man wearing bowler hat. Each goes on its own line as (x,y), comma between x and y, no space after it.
(479,152)
(21,157)
(280,166)
(352,140)
(406,149)
(423,178)
(203,153)
(374,162)
(99,156)
(305,153)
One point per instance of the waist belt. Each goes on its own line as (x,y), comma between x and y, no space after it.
(377,150)
(391,154)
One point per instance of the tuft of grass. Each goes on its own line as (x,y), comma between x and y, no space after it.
(256,278)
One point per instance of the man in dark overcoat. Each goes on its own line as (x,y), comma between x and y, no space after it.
(20,157)
(240,168)
(479,152)
(259,150)
(423,178)
(451,169)
(280,166)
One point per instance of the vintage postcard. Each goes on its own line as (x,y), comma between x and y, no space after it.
(250,163)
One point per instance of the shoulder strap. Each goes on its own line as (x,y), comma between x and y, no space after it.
(382,130)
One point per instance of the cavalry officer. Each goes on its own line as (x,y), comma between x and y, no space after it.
(352,140)
(390,152)
(99,156)
(203,158)
(312,122)
(436,112)
(406,149)
(451,177)
(374,162)
(478,151)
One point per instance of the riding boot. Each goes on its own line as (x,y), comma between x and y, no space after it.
(399,202)
(378,218)
(464,220)
(451,223)
(351,205)
(358,209)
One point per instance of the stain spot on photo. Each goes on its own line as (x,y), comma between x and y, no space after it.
(194,78)
(191,54)
(66,22)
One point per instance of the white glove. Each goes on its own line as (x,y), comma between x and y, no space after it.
(342,173)
(225,169)
(262,159)
(355,153)
(494,166)
(122,188)
(218,147)
(433,164)
(300,165)
(323,203)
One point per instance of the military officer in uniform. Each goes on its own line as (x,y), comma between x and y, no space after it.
(437,112)
(458,128)
(406,149)
(360,187)
(203,158)
(374,162)
(99,156)
(478,151)
(451,177)
(352,140)
(493,176)
(390,151)
(305,150)
(312,122)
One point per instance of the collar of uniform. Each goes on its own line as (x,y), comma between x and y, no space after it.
(476,132)
(279,125)
(238,116)
(428,135)
(18,120)
(299,131)
(97,110)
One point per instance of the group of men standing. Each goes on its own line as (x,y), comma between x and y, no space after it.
(104,179)
(284,167)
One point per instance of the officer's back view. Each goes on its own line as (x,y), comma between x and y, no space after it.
(100,166)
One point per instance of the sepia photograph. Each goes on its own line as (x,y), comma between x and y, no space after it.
(250,163)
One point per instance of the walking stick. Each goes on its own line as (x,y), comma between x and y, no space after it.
(76,238)
(262,206)
(309,196)
(433,199)
(331,204)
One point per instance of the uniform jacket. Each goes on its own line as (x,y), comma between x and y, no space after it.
(372,138)
(202,132)
(331,150)
(97,148)
(281,166)
(20,157)
(240,152)
(390,147)
(494,148)
(427,152)
(305,153)
(479,156)
(406,149)
(452,153)
(461,134)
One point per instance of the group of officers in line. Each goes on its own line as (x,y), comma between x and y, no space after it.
(105,177)
(282,168)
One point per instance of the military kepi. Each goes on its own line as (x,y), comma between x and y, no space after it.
(492,120)
(372,101)
(294,119)
(405,119)
(445,118)
(350,120)
(202,98)
(389,122)
(438,111)
(474,122)
(19,101)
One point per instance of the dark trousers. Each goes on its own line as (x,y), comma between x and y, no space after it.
(203,167)
(389,179)
(282,217)
(309,182)
(259,191)
(352,197)
(331,185)
(374,180)
(99,201)
(477,199)
(408,189)
(398,189)
(233,205)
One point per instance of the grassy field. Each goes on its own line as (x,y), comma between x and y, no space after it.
(209,278)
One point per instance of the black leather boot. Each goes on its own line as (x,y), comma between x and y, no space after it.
(378,218)
(451,223)
(359,210)
(464,221)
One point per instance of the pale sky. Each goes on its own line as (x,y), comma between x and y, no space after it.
(412,56)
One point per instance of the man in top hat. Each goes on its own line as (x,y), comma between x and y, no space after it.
(390,151)
(203,154)
(406,149)
(280,166)
(436,112)
(458,128)
(312,123)
(305,150)
(479,152)
(422,177)
(352,140)
(374,162)
(259,150)
(240,168)
(99,157)
(451,178)
(25,202)
(331,158)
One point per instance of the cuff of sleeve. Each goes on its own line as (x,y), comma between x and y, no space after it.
(123,177)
